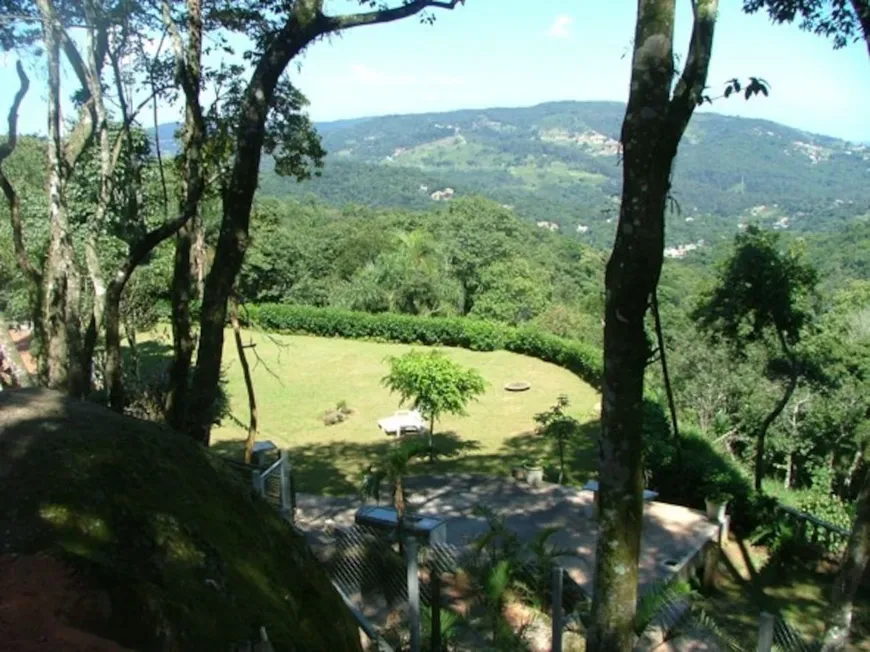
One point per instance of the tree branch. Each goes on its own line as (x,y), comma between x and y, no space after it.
(348,21)
(862,9)
(690,87)
(669,390)
(12,199)
(249,381)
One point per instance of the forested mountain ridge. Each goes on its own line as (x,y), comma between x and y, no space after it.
(558,163)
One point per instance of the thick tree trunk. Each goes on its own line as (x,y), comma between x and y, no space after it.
(653,126)
(182,336)
(61,290)
(852,570)
(235,223)
(631,277)
(193,187)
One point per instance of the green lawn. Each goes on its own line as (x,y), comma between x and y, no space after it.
(299,378)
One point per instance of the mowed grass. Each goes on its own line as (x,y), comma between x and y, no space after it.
(298,378)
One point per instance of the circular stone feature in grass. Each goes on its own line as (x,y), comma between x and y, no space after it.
(519,386)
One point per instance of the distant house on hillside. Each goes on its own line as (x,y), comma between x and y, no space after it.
(681,250)
(443,195)
(552,226)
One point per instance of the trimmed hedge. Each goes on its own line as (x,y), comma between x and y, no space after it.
(578,357)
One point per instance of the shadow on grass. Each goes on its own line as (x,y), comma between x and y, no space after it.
(155,356)
(798,592)
(334,468)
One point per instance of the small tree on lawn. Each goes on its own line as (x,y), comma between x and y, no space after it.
(433,384)
(558,426)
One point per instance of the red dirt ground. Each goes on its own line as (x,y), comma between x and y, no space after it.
(45,606)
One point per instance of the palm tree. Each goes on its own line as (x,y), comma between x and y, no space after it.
(394,468)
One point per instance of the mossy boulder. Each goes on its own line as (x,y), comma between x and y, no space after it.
(188,558)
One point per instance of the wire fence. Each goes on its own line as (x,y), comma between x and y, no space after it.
(787,639)
(364,563)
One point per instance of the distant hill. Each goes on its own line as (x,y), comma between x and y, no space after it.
(558,163)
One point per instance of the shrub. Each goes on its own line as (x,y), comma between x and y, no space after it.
(479,335)
(704,470)
(339,415)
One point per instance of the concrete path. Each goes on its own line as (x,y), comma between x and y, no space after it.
(672,535)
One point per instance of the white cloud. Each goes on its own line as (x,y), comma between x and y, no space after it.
(561,27)
(369,76)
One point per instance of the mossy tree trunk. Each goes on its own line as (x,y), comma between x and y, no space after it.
(654,123)
(852,570)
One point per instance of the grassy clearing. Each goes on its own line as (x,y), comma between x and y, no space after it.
(556,172)
(300,377)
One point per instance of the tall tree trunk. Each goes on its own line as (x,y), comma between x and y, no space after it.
(761,433)
(249,381)
(653,126)
(182,335)
(852,570)
(235,223)
(189,65)
(58,275)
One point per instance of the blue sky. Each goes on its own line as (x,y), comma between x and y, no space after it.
(522,52)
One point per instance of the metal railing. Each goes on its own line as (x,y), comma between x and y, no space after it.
(275,484)
(814,530)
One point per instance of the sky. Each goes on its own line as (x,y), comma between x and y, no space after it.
(509,53)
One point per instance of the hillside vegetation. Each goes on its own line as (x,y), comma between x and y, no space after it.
(186,557)
(558,163)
